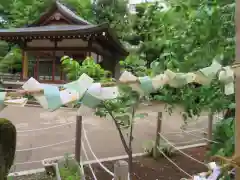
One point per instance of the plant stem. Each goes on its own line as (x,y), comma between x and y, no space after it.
(130,159)
(119,131)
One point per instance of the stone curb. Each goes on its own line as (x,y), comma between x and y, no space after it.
(40,170)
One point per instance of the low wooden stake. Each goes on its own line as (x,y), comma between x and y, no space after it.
(121,170)
(78,142)
(158,137)
(210,128)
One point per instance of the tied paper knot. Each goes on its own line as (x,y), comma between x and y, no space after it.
(143,85)
(177,80)
(213,174)
(206,75)
(226,76)
(53,98)
(146,84)
(94,96)
(90,100)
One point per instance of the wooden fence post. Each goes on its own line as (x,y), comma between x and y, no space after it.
(78,138)
(158,137)
(121,170)
(210,128)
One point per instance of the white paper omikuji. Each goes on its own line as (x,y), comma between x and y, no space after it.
(33,84)
(199,178)
(81,85)
(68,96)
(212,165)
(229,88)
(95,90)
(108,93)
(190,77)
(159,81)
(171,75)
(127,76)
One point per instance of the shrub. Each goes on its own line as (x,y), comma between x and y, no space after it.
(7,146)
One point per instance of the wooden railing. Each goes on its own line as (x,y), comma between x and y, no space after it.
(10,77)
(17,77)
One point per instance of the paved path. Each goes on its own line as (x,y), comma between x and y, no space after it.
(101,132)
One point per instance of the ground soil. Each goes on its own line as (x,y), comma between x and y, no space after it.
(146,168)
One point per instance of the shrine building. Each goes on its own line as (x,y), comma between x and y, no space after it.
(59,32)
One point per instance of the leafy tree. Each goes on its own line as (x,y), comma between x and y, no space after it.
(224,134)
(114,12)
(146,31)
(12,61)
(83,8)
(185,38)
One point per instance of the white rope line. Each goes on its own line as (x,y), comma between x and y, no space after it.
(91,169)
(174,163)
(191,141)
(41,129)
(29,162)
(171,144)
(41,147)
(179,132)
(94,155)
(199,137)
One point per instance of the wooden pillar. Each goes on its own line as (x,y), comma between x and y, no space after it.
(54,62)
(237,123)
(237,92)
(24,65)
(89,47)
(53,67)
(21,78)
(97,60)
(61,73)
(37,68)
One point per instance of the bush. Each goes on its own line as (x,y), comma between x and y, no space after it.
(7,146)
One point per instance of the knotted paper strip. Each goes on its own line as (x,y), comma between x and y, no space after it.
(129,77)
(90,99)
(53,97)
(205,76)
(94,96)
(178,81)
(108,93)
(33,84)
(213,175)
(68,97)
(226,75)
(159,81)
(81,85)
(146,84)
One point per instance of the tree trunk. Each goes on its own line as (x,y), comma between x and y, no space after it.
(130,165)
